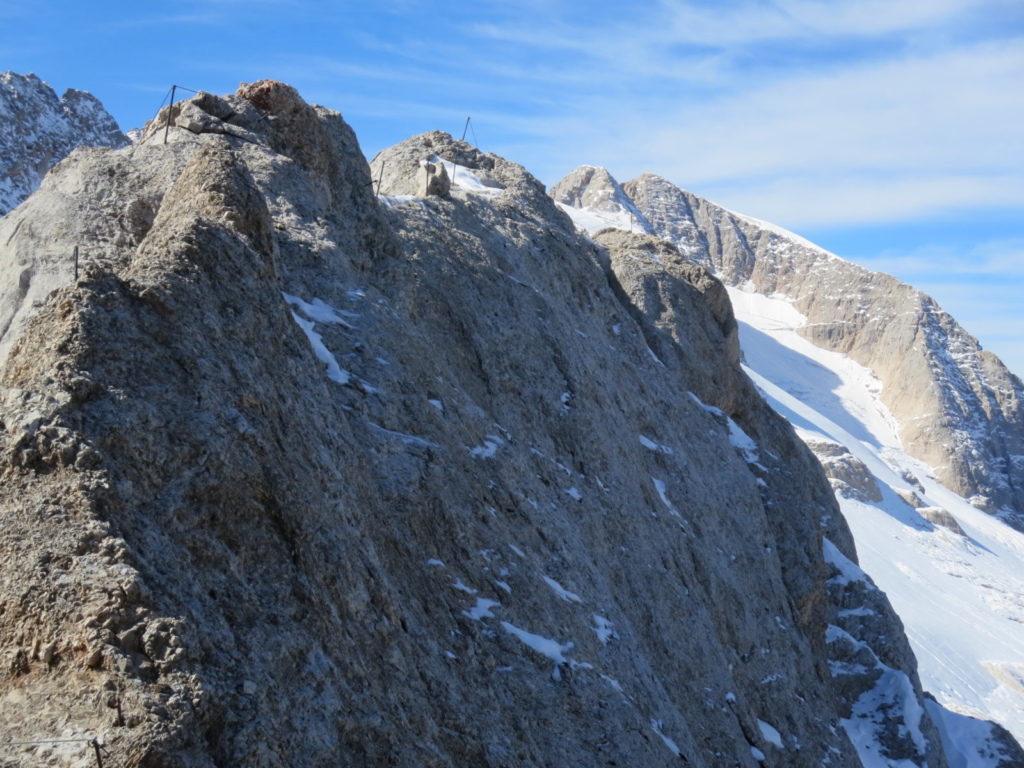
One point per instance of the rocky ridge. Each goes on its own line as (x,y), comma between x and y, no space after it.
(37,130)
(293,474)
(960,410)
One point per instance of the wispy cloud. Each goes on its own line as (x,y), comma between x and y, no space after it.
(810,112)
(833,199)
(223,13)
(904,136)
(897,113)
(750,22)
(207,18)
(707,97)
(19,9)
(937,263)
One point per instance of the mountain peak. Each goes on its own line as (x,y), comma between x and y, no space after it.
(943,410)
(595,200)
(37,130)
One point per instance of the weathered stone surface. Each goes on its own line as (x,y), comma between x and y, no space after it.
(866,643)
(940,516)
(325,480)
(593,189)
(404,169)
(432,180)
(910,497)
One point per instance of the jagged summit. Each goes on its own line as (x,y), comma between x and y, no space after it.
(674,209)
(37,130)
(293,474)
(598,201)
(671,213)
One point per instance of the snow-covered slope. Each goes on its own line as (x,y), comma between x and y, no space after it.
(960,410)
(961,596)
(37,130)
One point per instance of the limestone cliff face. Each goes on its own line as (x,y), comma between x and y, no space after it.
(293,475)
(960,410)
(37,130)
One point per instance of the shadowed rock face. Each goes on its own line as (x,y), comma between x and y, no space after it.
(37,130)
(960,410)
(296,475)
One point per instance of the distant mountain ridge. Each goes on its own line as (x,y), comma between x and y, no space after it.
(917,428)
(959,408)
(38,130)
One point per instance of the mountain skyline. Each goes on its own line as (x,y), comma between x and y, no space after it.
(882,132)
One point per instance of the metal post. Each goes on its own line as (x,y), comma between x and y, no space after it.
(465,129)
(380,178)
(99,758)
(167,125)
(76,263)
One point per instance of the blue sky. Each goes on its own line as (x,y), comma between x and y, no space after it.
(888,131)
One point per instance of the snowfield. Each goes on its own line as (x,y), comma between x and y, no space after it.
(961,597)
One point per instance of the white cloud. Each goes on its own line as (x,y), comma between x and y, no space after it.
(954,110)
(833,198)
(937,264)
(871,17)
(876,141)
(849,131)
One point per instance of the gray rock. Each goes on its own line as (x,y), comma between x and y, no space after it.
(289,555)
(848,474)
(875,669)
(593,189)
(910,497)
(432,180)
(940,516)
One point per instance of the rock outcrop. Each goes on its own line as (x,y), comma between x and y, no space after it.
(37,130)
(848,474)
(297,475)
